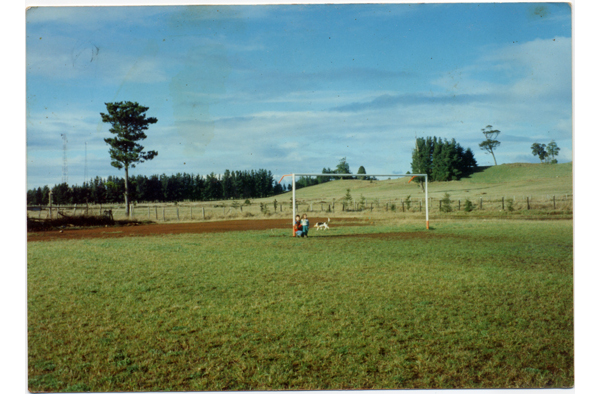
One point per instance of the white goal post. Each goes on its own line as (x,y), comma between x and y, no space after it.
(346,175)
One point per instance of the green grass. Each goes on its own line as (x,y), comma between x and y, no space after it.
(468,304)
(509,180)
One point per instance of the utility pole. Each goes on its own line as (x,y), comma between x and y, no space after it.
(65,170)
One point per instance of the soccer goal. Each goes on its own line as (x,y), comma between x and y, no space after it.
(412,176)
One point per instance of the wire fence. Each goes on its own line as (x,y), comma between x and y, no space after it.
(228,210)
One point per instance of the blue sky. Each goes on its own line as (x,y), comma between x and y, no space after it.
(296,88)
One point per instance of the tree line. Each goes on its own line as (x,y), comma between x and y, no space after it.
(343,167)
(162,188)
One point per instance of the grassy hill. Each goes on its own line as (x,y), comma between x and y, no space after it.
(506,180)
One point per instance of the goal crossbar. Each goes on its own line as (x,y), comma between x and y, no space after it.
(293,176)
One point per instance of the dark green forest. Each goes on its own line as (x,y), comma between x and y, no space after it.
(162,188)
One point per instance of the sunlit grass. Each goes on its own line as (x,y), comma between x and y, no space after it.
(467,304)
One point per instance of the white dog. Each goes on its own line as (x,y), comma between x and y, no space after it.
(322,225)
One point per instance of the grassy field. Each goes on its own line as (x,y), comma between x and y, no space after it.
(470,304)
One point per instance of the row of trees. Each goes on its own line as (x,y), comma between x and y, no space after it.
(162,188)
(442,160)
(343,167)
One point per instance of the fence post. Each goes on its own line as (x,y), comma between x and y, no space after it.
(156,213)
(191,216)
(148,212)
(480,202)
(163,214)
(386,206)
(280,207)
(178,213)
(459,205)
(419,205)
(527,202)
(202,213)
(371,207)
(311,206)
(132,213)
(440,205)
(503,203)
(402,206)
(554,201)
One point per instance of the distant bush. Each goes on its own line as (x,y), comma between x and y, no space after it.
(509,205)
(446,203)
(468,205)
(407,202)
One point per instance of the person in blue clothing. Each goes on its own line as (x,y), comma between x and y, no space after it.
(305,224)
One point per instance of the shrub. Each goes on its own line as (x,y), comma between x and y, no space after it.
(264,209)
(509,205)
(407,202)
(446,203)
(468,205)
(393,207)
(361,203)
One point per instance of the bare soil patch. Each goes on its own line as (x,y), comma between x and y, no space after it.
(180,228)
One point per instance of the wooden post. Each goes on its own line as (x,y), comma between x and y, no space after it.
(329,207)
(343,207)
(148,212)
(280,207)
(459,205)
(178,213)
(191,216)
(527,202)
(100,211)
(554,201)
(223,209)
(371,207)
(311,207)
(163,214)
(402,206)
(74,209)
(480,202)
(386,206)
(156,213)
(503,203)
(419,205)
(241,208)
(131,211)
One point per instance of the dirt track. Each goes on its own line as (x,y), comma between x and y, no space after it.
(177,228)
